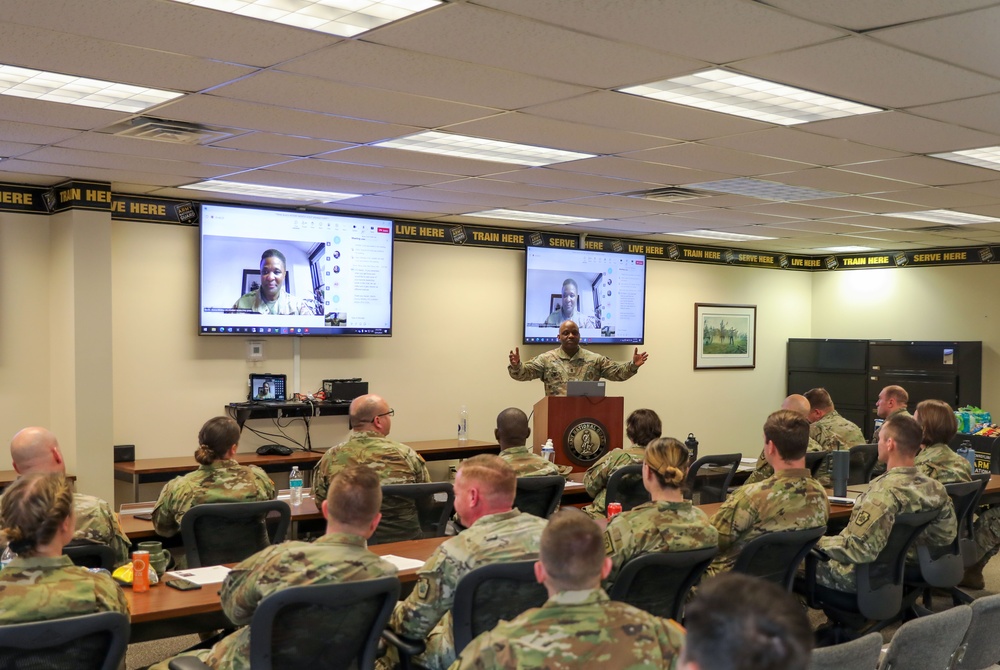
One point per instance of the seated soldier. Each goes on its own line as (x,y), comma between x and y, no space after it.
(763,470)
(512,433)
(936,459)
(579,627)
(641,427)
(788,500)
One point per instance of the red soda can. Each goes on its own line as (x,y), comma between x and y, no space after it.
(140,571)
(613,509)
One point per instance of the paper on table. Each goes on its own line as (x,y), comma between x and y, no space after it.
(572,485)
(210,575)
(403,563)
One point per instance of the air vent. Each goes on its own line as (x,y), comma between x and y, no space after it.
(670,194)
(164,130)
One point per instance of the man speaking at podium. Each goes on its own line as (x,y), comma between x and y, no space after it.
(571,363)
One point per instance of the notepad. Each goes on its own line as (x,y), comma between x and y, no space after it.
(837,500)
(213,574)
(403,563)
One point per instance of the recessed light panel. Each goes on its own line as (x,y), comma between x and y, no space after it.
(721,235)
(279,192)
(944,216)
(985,157)
(478,148)
(23,82)
(530,217)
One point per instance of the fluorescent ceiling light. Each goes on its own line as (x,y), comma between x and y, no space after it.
(986,157)
(279,192)
(846,250)
(345,18)
(765,190)
(943,216)
(731,93)
(478,148)
(531,217)
(721,235)
(24,82)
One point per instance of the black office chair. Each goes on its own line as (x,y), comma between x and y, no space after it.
(863,460)
(539,495)
(659,582)
(776,556)
(706,490)
(89,642)
(815,461)
(89,554)
(625,486)
(218,533)
(878,600)
(434,503)
(324,626)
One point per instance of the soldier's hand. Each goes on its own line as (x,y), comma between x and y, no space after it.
(515,358)
(638,359)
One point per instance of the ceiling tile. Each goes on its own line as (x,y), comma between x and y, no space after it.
(903,132)
(415,160)
(286,145)
(865,15)
(193,153)
(796,145)
(718,159)
(638,170)
(510,189)
(982,113)
(939,198)
(366,173)
(922,170)
(840,181)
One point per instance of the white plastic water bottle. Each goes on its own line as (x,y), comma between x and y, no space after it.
(7,557)
(549,451)
(295,486)
(463,425)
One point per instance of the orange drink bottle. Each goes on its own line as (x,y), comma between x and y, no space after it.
(140,571)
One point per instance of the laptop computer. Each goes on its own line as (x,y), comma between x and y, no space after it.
(590,389)
(268,388)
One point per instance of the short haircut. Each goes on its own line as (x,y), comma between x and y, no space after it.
(643,426)
(512,425)
(668,460)
(897,393)
(355,496)
(819,399)
(215,438)
(937,420)
(904,429)
(739,622)
(572,551)
(32,509)
(790,433)
(274,253)
(496,480)
(571,282)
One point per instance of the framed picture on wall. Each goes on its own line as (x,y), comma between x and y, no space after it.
(725,336)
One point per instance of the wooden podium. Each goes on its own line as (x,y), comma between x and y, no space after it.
(582,429)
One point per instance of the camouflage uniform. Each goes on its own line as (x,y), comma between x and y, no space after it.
(763,469)
(940,462)
(333,558)
(879,468)
(426,612)
(395,463)
(790,500)
(285,303)
(95,522)
(899,491)
(43,588)
(987,532)
(221,481)
(577,629)
(597,476)
(527,463)
(655,527)
(556,367)
(556,318)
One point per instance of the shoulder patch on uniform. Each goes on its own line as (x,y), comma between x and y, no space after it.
(423,587)
(862,519)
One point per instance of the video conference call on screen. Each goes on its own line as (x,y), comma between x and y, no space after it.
(602,292)
(274,272)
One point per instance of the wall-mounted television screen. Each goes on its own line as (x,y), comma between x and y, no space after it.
(603,292)
(279,272)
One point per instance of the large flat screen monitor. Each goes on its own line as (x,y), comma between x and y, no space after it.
(603,292)
(278,272)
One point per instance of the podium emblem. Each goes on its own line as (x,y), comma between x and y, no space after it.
(585,441)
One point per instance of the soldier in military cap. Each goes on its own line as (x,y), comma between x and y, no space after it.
(35,450)
(641,427)
(218,479)
(512,434)
(763,470)
(789,500)
(395,463)
(668,522)
(902,489)
(484,495)
(578,627)
(341,555)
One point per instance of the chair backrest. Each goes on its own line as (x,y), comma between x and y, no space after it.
(88,554)
(815,460)
(625,486)
(490,593)
(435,502)
(863,460)
(929,641)
(776,556)
(218,533)
(660,582)
(880,583)
(89,642)
(325,626)
(981,647)
(944,567)
(708,491)
(539,495)
(966,526)
(860,654)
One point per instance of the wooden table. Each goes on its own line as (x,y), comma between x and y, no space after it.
(7,478)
